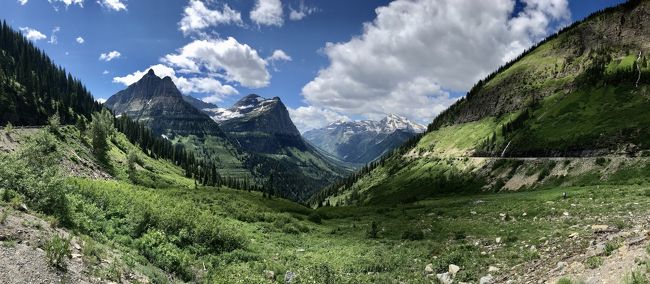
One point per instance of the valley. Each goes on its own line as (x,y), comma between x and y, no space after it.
(539,174)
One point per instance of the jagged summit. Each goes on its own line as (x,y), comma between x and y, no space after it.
(159,104)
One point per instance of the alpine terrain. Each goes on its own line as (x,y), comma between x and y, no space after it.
(361,142)
(539,174)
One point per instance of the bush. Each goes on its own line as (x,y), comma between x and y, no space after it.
(412,235)
(373,233)
(156,247)
(315,218)
(594,262)
(4,216)
(57,250)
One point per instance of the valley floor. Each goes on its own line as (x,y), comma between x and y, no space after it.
(596,235)
(166,230)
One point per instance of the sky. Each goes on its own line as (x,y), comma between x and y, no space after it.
(327,60)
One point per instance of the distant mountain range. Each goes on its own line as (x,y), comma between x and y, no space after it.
(361,142)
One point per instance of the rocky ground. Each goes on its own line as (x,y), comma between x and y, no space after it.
(24,254)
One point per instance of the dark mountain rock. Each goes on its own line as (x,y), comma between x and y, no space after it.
(161,106)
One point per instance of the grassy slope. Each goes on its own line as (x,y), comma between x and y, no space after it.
(566,117)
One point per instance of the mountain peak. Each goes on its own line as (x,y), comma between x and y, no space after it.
(151,72)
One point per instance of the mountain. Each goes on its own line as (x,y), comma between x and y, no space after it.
(556,115)
(263,126)
(160,105)
(361,142)
(198,104)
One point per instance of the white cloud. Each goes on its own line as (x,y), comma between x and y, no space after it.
(310,117)
(22,2)
(80,40)
(203,85)
(53,37)
(416,49)
(279,55)
(101,100)
(110,56)
(267,12)
(302,12)
(196,17)
(32,34)
(67,3)
(115,5)
(105,72)
(227,58)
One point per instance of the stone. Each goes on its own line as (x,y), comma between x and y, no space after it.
(561,265)
(428,269)
(269,274)
(23,207)
(565,213)
(573,235)
(444,278)
(498,240)
(493,269)
(487,279)
(289,277)
(453,269)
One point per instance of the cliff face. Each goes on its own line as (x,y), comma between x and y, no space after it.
(160,105)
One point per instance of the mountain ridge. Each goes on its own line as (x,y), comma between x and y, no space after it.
(361,142)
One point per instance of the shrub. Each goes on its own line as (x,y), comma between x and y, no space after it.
(4,216)
(373,233)
(156,247)
(57,249)
(315,218)
(412,235)
(594,262)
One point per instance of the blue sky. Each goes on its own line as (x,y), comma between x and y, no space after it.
(338,69)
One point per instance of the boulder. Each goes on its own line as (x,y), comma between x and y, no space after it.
(428,269)
(444,278)
(289,277)
(487,279)
(269,274)
(453,269)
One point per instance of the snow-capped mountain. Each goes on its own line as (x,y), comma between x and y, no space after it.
(363,141)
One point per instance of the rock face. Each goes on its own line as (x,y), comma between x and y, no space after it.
(361,142)
(160,105)
(280,154)
(259,124)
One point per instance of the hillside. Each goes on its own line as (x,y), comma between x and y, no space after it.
(361,142)
(569,111)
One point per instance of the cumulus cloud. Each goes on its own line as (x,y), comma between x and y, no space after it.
(22,2)
(196,17)
(267,12)
(32,34)
(53,37)
(105,72)
(114,5)
(80,40)
(414,50)
(226,58)
(279,55)
(203,85)
(67,3)
(302,12)
(310,117)
(110,55)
